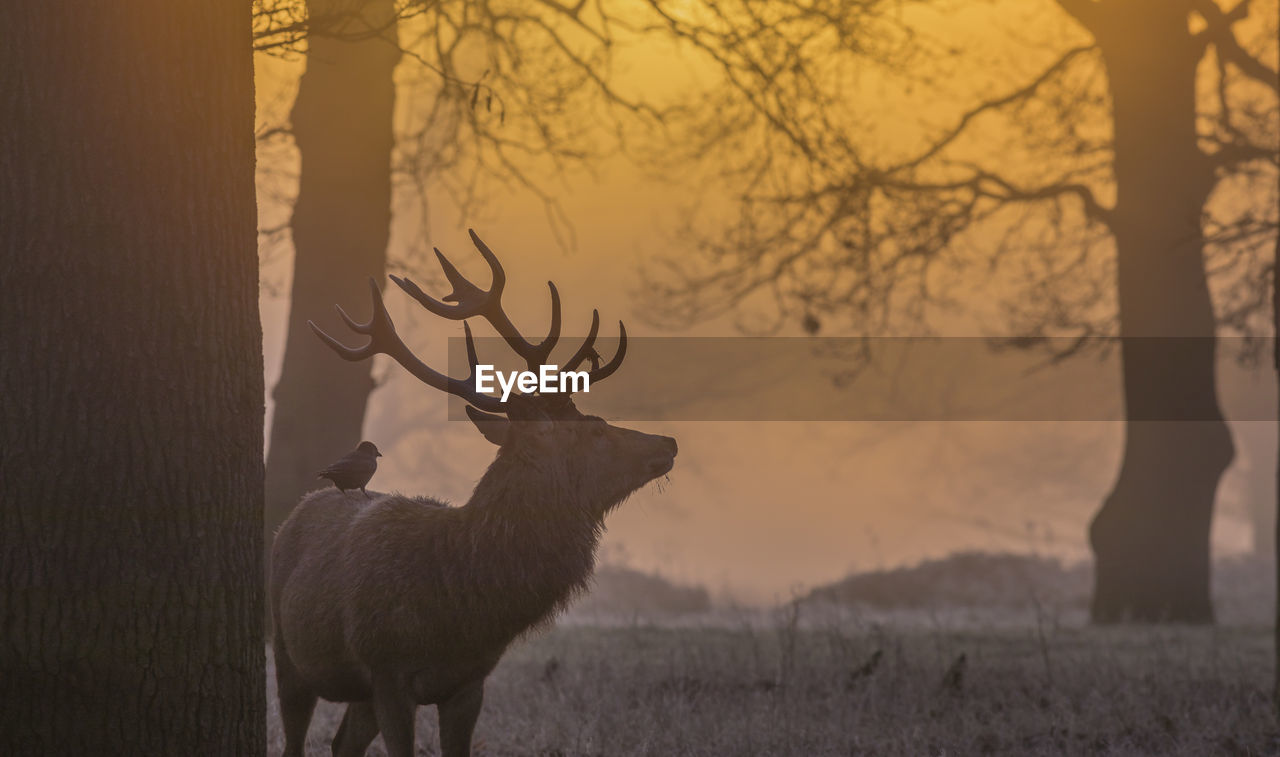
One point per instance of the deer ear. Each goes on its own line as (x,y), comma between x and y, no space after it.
(494,427)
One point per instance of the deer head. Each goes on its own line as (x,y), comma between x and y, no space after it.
(547,430)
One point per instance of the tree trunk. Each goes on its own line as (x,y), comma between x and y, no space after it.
(1275,543)
(341,222)
(1258,439)
(1151,537)
(130,381)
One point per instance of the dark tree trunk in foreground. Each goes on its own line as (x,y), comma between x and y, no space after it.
(1275,544)
(341,221)
(130,381)
(1151,537)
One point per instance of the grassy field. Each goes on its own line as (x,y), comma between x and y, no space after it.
(786,685)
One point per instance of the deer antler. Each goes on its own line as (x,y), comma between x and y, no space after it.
(588,351)
(384,339)
(471,301)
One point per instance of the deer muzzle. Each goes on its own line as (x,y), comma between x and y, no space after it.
(664,458)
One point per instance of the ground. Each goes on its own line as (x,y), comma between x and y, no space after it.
(794,683)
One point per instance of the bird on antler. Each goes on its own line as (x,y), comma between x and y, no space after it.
(354,469)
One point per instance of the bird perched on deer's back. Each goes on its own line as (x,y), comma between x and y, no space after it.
(354,470)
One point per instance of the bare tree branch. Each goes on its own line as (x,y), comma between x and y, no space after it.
(1015,96)
(545,64)
(1217,30)
(827,226)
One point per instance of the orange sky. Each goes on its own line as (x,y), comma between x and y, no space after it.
(752,509)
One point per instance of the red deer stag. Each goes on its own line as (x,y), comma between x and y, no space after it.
(398,601)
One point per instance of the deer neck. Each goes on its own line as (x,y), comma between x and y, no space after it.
(540,535)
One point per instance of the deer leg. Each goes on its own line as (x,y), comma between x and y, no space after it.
(458,716)
(297,702)
(359,728)
(394,709)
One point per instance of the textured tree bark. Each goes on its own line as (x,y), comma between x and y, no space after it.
(130,381)
(341,222)
(1151,537)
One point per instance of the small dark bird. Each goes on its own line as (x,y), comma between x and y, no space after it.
(353,471)
(865,670)
(550,670)
(953,680)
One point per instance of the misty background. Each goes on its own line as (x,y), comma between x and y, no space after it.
(754,511)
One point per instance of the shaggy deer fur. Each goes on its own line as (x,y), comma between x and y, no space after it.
(398,601)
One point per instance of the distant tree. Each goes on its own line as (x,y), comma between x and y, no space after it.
(1132,167)
(493,87)
(341,123)
(1275,363)
(130,382)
